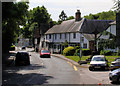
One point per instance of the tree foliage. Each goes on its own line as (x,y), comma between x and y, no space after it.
(36,17)
(116,5)
(109,15)
(13,15)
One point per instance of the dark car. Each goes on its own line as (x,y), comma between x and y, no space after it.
(23,47)
(22,58)
(45,54)
(114,75)
(115,64)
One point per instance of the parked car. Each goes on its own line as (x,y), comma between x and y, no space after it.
(45,53)
(22,58)
(98,62)
(23,47)
(114,75)
(115,64)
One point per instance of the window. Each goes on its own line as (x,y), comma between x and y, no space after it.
(74,35)
(60,36)
(85,45)
(82,39)
(49,36)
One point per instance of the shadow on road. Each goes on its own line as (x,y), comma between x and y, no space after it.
(24,75)
(115,83)
(21,79)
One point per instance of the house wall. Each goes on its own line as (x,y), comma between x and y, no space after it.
(111,29)
(69,38)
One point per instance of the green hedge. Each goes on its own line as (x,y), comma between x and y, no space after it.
(85,52)
(69,51)
(106,52)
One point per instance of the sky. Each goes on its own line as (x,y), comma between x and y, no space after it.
(86,7)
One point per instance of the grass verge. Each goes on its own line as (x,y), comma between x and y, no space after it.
(76,58)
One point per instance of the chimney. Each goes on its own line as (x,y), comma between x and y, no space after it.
(78,15)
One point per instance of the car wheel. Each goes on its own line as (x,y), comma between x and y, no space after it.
(90,68)
(118,80)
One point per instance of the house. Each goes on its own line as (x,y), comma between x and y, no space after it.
(78,31)
(38,36)
(112,31)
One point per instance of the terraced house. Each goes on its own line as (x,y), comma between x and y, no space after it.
(75,32)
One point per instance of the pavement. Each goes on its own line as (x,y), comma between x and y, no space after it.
(71,61)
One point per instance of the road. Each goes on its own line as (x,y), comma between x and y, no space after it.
(52,71)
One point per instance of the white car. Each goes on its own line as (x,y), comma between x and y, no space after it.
(98,62)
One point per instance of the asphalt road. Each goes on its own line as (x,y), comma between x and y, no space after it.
(52,71)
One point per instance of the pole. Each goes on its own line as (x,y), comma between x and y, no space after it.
(80,55)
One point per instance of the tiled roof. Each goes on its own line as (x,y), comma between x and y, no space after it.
(84,26)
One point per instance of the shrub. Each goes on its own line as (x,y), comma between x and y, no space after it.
(76,52)
(69,51)
(86,52)
(106,52)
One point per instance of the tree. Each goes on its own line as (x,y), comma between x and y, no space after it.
(116,5)
(40,15)
(109,15)
(70,17)
(13,15)
(62,17)
(35,18)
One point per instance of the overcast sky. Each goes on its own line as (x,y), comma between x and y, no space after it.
(86,7)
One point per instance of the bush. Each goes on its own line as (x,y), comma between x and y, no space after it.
(12,47)
(76,52)
(85,52)
(106,52)
(69,51)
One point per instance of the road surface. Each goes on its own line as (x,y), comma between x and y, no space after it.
(52,71)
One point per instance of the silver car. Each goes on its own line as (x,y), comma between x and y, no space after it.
(98,62)
(115,64)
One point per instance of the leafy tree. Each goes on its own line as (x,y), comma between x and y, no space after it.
(109,15)
(116,5)
(13,15)
(70,17)
(35,18)
(62,17)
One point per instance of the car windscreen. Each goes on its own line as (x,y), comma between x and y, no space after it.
(98,59)
(45,51)
(118,60)
(22,56)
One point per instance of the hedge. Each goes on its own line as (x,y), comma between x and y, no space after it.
(69,51)
(85,52)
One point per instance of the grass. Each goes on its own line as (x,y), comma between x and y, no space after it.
(76,58)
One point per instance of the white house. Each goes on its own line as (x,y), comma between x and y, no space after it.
(111,29)
(75,31)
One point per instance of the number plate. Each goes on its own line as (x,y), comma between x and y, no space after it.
(97,67)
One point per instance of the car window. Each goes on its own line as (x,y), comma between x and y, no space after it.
(98,59)
(45,51)
(22,55)
(117,59)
